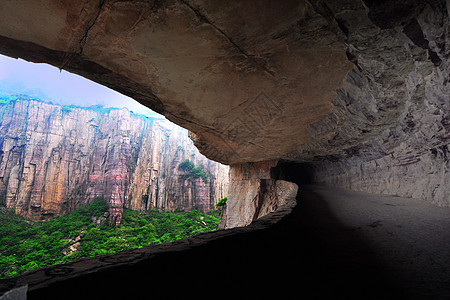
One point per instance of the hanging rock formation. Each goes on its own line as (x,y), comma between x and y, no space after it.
(357,88)
(54,158)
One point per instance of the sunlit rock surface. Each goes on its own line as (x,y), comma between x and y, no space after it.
(54,158)
(254,193)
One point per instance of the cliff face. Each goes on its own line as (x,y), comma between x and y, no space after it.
(54,158)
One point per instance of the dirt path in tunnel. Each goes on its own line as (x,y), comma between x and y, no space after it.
(390,246)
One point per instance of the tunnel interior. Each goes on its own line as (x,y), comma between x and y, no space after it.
(263,82)
(298,173)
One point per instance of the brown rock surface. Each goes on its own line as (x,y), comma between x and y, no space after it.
(54,159)
(253,193)
(265,68)
(357,87)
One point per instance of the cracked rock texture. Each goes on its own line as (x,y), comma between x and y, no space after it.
(235,75)
(393,112)
(255,193)
(357,88)
(53,159)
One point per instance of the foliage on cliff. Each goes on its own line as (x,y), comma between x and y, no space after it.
(222,202)
(192,171)
(26,245)
(86,146)
(5,100)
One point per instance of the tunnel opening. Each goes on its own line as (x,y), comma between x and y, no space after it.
(299,173)
(86,159)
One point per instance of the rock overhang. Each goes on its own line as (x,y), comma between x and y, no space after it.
(239,76)
(342,84)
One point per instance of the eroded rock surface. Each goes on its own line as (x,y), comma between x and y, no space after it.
(235,75)
(253,193)
(54,158)
(393,111)
(359,88)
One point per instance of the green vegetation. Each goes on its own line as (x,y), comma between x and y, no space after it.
(221,202)
(5,100)
(26,245)
(97,108)
(66,109)
(193,172)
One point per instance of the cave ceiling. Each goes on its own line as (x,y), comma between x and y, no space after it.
(252,80)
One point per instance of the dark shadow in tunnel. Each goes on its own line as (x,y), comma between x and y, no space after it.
(337,261)
(299,173)
(308,254)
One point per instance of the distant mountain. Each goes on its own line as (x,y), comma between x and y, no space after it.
(54,158)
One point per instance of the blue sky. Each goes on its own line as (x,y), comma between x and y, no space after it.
(18,76)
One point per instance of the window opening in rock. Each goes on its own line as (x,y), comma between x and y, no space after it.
(86,171)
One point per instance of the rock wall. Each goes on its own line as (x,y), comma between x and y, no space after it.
(54,158)
(391,118)
(419,175)
(253,193)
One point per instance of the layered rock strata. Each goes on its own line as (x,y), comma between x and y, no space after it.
(54,158)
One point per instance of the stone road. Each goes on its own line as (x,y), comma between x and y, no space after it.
(408,239)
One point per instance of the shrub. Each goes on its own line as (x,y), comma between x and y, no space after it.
(66,109)
(221,202)
(26,245)
(193,172)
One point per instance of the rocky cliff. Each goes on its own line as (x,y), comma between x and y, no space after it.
(390,121)
(357,88)
(54,158)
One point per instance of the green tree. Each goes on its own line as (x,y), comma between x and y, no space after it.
(26,245)
(192,172)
